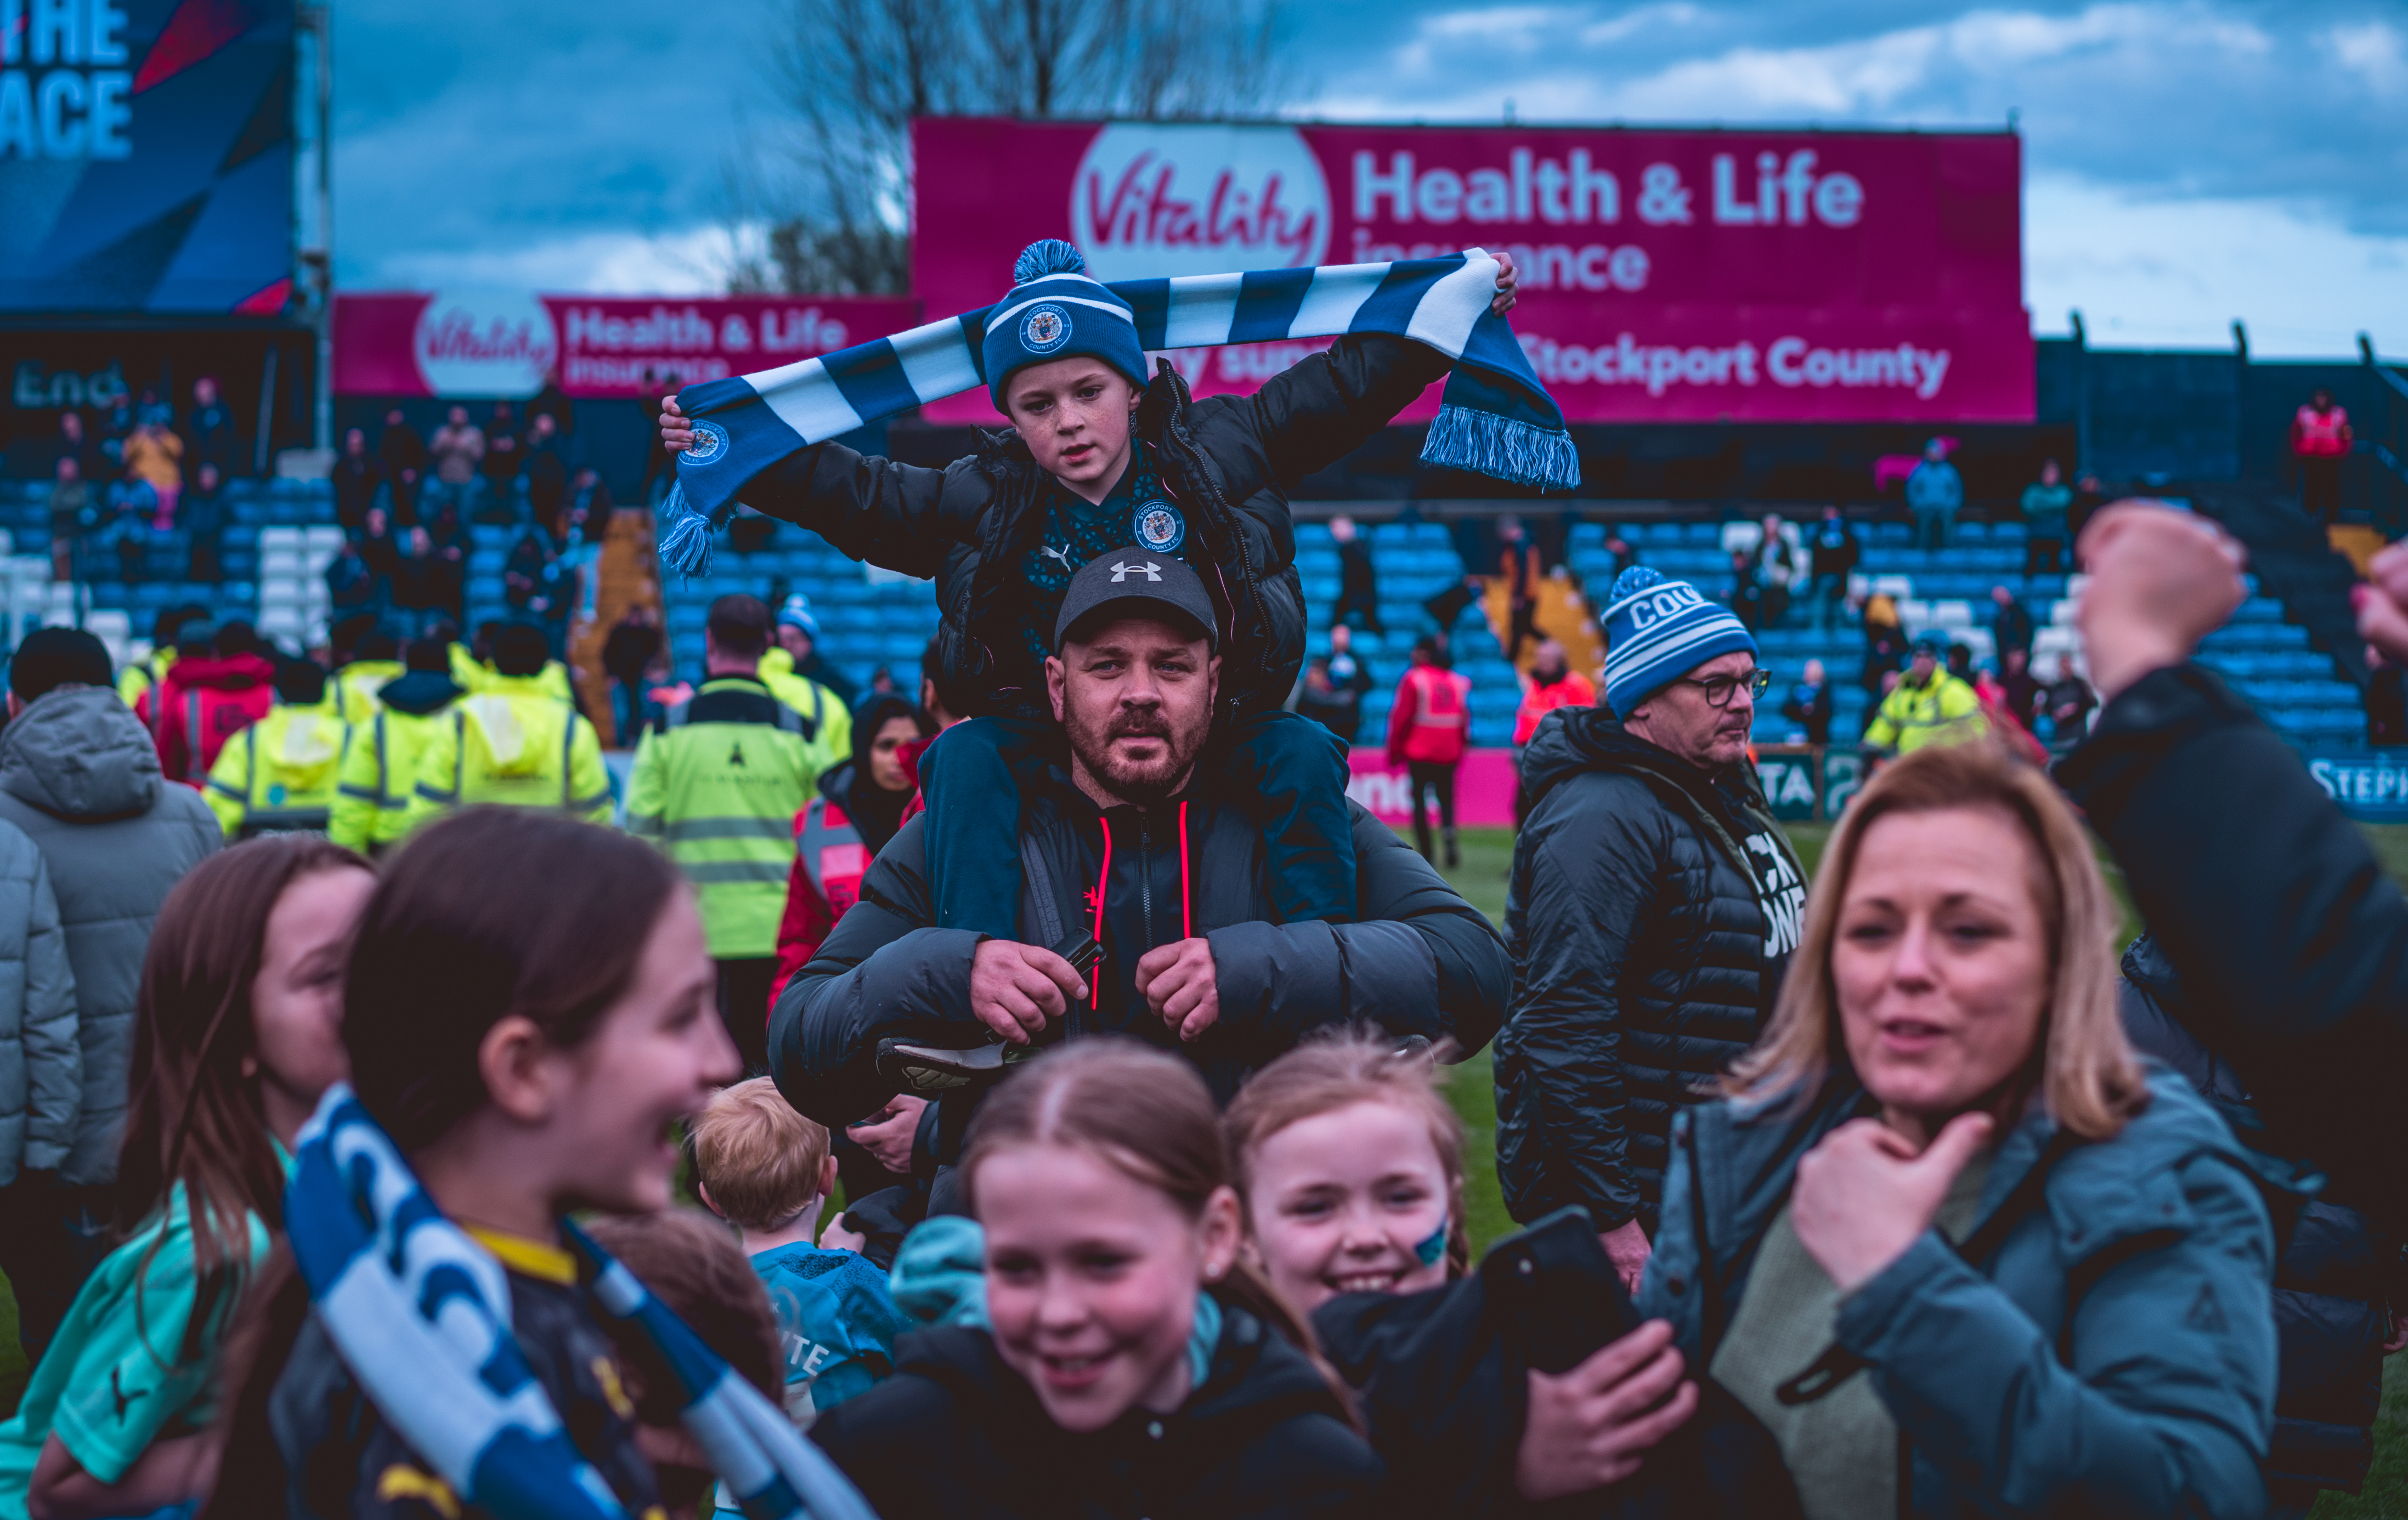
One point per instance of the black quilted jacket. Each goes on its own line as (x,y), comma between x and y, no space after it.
(1651,913)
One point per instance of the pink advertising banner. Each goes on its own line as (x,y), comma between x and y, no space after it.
(489,343)
(1484,789)
(1666,275)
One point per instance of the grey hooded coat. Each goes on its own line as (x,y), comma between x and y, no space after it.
(41,1067)
(79,775)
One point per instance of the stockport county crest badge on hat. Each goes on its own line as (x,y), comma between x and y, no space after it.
(1046,328)
(1159,527)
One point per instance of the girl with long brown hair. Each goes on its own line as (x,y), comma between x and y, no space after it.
(237,1032)
(1135,1365)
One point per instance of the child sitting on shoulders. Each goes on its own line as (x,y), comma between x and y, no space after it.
(769,1171)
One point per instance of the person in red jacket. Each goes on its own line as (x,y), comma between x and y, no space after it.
(1551,683)
(1428,727)
(2320,439)
(208,698)
(861,803)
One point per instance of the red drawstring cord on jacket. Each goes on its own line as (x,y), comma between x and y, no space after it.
(1186,909)
(1103,885)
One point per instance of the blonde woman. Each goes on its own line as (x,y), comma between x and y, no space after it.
(1946,1246)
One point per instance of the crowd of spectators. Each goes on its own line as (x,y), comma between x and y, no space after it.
(138,466)
(1790,574)
(405,501)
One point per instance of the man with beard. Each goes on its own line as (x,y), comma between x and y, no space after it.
(1141,849)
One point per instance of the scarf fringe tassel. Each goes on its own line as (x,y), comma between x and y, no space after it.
(686,534)
(1502,449)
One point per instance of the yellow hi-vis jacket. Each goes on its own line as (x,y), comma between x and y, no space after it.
(473,675)
(830,720)
(351,691)
(718,788)
(515,744)
(143,677)
(278,774)
(1943,711)
(379,776)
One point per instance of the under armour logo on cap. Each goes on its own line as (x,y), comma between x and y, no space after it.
(1139,585)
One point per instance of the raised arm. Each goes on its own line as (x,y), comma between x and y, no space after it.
(2290,938)
(897,516)
(1327,404)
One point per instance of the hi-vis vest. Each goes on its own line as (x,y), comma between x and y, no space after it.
(351,691)
(514,745)
(278,774)
(830,722)
(717,788)
(833,855)
(212,715)
(379,772)
(2320,432)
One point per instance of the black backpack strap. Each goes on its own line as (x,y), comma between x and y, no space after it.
(1836,1364)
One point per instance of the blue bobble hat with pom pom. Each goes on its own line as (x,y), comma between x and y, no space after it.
(1057,310)
(1657,631)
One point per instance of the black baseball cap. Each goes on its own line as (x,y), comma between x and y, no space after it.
(1137,584)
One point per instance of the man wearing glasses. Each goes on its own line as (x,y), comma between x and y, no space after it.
(1652,907)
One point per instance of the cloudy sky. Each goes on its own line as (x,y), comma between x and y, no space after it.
(2188,161)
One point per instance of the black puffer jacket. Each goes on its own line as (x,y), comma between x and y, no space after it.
(1651,913)
(957,1435)
(2331,1284)
(1227,460)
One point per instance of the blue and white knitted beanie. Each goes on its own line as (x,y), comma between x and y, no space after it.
(1056,309)
(1657,631)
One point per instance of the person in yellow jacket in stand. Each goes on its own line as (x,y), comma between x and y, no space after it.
(828,708)
(1928,706)
(278,774)
(380,767)
(717,786)
(512,741)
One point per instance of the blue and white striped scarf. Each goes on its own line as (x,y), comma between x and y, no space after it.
(421,1316)
(1494,418)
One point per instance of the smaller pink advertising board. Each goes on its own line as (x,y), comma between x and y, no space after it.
(502,342)
(1484,789)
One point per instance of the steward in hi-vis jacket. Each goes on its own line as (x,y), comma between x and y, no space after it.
(717,788)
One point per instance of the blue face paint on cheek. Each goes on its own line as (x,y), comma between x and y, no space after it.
(1432,1249)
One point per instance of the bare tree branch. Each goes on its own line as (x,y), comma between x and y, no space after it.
(856,72)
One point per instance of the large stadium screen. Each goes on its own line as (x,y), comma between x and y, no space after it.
(1666,276)
(145,155)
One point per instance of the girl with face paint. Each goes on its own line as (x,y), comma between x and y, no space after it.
(1349,1164)
(1352,1168)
